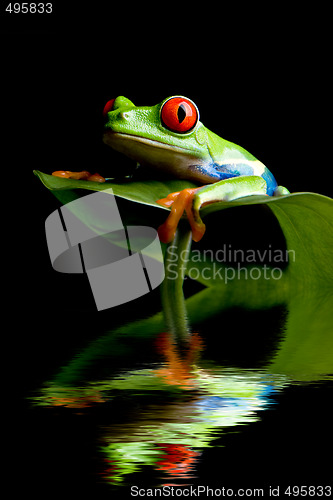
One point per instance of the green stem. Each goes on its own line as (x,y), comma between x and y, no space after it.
(173,302)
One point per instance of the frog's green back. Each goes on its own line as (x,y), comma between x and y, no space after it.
(223,151)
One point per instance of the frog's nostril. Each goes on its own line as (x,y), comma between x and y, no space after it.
(124,115)
(108,107)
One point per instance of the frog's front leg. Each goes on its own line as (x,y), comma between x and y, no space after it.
(191,200)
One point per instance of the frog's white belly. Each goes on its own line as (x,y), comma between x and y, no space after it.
(176,161)
(181,162)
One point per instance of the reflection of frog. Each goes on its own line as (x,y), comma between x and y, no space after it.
(170,436)
(170,137)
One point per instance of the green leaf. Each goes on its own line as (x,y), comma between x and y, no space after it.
(305,286)
(305,219)
(146,192)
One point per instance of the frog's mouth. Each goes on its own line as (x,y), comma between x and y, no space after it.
(155,154)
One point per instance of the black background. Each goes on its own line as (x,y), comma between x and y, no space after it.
(260,79)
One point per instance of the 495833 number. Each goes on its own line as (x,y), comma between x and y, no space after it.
(308,491)
(29,8)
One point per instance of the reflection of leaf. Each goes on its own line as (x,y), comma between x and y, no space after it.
(306,352)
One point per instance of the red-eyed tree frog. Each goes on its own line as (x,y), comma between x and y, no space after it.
(170,137)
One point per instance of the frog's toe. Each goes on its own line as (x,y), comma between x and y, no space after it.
(180,202)
(281,191)
(67,174)
(168,201)
(167,231)
(197,226)
(96,178)
(83,175)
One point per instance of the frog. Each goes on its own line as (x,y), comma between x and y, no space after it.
(170,138)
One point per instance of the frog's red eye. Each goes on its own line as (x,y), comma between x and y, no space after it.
(108,107)
(179,114)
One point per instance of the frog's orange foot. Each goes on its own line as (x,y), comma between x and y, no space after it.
(84,175)
(180,202)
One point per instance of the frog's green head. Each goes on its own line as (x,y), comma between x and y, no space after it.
(168,136)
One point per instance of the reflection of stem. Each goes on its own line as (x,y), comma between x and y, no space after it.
(173,303)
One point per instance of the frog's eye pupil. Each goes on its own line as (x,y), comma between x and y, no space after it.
(179,114)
